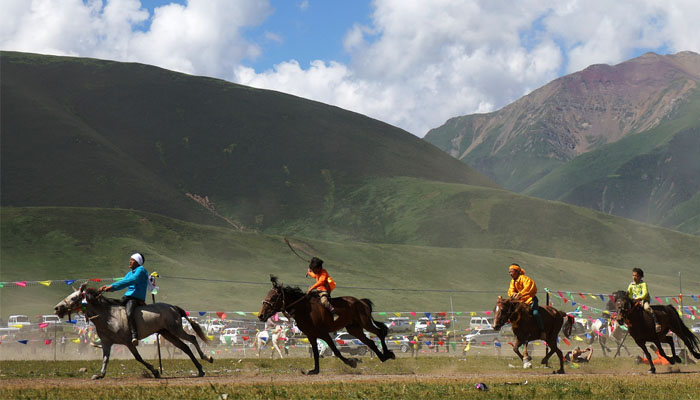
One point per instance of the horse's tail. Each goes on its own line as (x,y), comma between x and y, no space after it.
(688,337)
(568,325)
(195,326)
(380,325)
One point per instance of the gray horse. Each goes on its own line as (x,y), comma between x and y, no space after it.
(109,317)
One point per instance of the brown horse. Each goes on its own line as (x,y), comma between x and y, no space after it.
(525,327)
(641,327)
(316,322)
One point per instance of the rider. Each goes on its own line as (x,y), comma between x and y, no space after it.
(637,290)
(525,287)
(324,284)
(137,282)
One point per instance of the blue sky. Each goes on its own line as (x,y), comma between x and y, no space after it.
(410,63)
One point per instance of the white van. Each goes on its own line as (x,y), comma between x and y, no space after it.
(476,323)
(50,319)
(18,321)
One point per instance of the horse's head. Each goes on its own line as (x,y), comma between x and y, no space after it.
(502,312)
(71,303)
(623,305)
(274,301)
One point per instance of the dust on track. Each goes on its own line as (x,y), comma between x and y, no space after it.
(287,379)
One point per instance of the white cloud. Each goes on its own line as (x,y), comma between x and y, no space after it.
(414,65)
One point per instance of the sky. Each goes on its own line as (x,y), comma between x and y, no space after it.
(411,63)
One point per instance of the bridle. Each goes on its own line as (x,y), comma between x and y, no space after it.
(504,312)
(284,307)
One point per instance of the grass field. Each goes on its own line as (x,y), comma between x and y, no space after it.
(404,378)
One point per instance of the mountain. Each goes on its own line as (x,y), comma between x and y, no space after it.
(92,133)
(559,141)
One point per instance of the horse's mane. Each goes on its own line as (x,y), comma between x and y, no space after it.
(93,297)
(620,294)
(292,293)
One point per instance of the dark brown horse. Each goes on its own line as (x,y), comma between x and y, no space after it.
(316,322)
(641,327)
(525,327)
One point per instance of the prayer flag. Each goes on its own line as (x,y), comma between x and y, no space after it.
(221,314)
(582,296)
(602,298)
(45,283)
(2,284)
(578,339)
(202,313)
(47,341)
(382,313)
(469,346)
(69,281)
(43,325)
(23,341)
(256,313)
(398,314)
(237,312)
(76,340)
(487,312)
(96,280)
(21,283)
(567,342)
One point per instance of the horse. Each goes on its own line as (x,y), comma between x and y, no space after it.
(640,326)
(111,325)
(316,322)
(604,330)
(525,327)
(272,336)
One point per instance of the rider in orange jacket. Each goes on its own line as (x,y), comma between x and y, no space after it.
(526,290)
(324,284)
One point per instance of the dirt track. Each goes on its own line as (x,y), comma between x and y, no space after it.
(247,379)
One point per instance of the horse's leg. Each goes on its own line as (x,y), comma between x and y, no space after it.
(314,352)
(106,350)
(368,324)
(352,362)
(358,333)
(674,358)
(276,347)
(182,335)
(138,358)
(641,343)
(516,348)
(555,349)
(182,346)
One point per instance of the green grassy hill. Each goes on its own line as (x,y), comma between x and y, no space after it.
(92,133)
(596,256)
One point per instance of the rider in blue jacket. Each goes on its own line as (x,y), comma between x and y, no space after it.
(136,280)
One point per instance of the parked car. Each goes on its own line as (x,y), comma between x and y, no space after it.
(398,324)
(695,328)
(51,319)
(426,325)
(476,323)
(18,321)
(346,343)
(483,335)
(231,336)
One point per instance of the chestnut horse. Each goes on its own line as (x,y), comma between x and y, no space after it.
(641,327)
(525,327)
(316,322)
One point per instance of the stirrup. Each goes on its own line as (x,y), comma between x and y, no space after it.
(658,328)
(335,316)
(135,341)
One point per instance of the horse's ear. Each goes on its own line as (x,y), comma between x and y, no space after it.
(500,298)
(274,280)
(82,287)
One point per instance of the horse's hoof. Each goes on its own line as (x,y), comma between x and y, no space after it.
(352,362)
(560,372)
(201,374)
(96,377)
(210,359)
(310,372)
(651,371)
(156,374)
(391,355)
(678,359)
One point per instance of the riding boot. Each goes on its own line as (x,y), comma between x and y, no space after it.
(332,310)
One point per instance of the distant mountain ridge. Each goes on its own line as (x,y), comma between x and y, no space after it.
(523,145)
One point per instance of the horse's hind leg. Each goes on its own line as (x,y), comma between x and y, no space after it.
(674,358)
(180,333)
(182,346)
(331,343)
(358,333)
(138,358)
